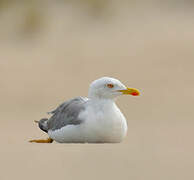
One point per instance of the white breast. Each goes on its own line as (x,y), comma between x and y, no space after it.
(104,122)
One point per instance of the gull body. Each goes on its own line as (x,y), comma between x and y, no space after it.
(95,119)
(103,123)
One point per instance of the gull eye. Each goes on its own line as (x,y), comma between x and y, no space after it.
(110,85)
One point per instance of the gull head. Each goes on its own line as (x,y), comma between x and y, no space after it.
(109,88)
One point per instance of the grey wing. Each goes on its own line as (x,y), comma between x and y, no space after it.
(67,113)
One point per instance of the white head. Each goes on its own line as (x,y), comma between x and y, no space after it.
(109,88)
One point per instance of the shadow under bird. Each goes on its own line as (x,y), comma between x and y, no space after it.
(92,119)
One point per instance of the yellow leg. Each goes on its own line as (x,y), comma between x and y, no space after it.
(49,140)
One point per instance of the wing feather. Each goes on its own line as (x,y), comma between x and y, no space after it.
(67,113)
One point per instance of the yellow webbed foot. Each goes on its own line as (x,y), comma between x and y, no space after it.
(49,140)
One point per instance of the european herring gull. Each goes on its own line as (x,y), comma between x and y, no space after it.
(92,119)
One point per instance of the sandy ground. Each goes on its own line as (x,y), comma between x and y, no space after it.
(151,51)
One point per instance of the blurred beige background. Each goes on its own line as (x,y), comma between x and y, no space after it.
(51,50)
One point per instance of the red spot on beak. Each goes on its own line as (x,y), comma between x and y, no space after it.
(134,94)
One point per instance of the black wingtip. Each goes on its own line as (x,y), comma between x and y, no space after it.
(43,124)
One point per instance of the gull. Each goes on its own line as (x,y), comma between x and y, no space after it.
(92,119)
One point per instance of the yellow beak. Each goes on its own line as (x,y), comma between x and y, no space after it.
(130,91)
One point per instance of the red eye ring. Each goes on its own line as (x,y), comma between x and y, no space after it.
(110,85)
